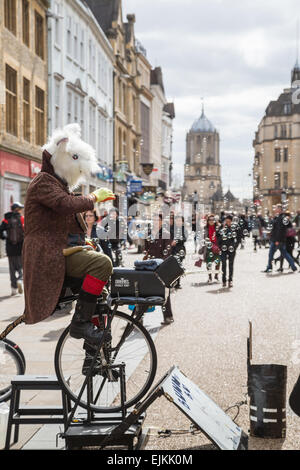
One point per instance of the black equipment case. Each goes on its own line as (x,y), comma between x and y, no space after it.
(132,283)
(145,283)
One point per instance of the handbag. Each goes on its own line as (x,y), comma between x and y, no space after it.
(291,232)
(199,263)
(215,249)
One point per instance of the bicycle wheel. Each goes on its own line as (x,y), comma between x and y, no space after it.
(18,349)
(131,344)
(11,364)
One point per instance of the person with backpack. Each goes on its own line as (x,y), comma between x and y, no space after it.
(12,230)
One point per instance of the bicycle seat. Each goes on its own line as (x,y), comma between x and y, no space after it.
(138,300)
(70,289)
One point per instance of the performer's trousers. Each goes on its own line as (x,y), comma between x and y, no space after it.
(89,262)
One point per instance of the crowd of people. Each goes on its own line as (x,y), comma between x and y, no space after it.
(216,240)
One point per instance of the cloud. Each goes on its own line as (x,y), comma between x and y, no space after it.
(238,55)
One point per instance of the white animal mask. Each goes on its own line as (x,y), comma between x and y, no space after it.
(72,159)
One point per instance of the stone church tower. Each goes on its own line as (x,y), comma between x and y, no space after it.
(202,178)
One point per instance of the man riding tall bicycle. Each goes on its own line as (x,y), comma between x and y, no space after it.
(55,234)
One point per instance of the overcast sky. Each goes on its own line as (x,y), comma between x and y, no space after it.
(238,55)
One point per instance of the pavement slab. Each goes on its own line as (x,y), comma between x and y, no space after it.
(207,341)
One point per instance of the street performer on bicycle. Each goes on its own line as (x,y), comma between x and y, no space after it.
(55,234)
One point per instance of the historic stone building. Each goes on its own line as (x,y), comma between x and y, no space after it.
(127,135)
(202,175)
(276,167)
(23,95)
(80,68)
(163,113)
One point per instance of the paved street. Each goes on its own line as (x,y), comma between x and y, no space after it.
(207,342)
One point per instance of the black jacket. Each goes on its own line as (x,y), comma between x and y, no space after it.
(229,237)
(278,233)
(11,249)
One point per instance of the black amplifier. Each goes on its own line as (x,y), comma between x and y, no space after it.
(133,283)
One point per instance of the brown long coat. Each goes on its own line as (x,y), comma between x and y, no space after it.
(50,215)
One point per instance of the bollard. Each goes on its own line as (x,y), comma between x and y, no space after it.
(267,393)
(4,411)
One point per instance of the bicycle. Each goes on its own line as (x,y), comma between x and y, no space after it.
(12,361)
(131,344)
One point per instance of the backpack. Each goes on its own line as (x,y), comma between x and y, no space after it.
(15,230)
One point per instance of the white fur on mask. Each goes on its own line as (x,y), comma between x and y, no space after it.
(64,146)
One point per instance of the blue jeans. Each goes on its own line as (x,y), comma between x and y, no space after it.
(284,253)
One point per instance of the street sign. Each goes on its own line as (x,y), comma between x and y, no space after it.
(203,411)
(136,186)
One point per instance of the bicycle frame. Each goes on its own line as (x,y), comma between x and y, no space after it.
(12,326)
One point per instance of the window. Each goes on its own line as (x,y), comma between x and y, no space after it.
(10,15)
(25,21)
(76,42)
(283,131)
(11,101)
(285,180)
(76,109)
(57,25)
(287,108)
(124,146)
(277,155)
(39,116)
(92,125)
(82,48)
(39,35)
(26,109)
(124,99)
(82,117)
(69,107)
(275,131)
(57,104)
(120,144)
(277,180)
(285,154)
(102,140)
(69,36)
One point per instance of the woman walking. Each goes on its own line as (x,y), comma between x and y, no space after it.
(158,245)
(212,252)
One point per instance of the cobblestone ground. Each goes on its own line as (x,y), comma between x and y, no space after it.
(207,341)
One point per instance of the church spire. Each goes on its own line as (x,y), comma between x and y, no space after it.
(202,114)
(296,69)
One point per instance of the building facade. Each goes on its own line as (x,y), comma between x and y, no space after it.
(127,135)
(23,95)
(202,174)
(276,169)
(163,113)
(81,67)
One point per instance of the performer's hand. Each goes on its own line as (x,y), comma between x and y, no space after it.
(103,194)
(89,242)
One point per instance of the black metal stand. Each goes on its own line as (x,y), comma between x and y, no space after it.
(96,429)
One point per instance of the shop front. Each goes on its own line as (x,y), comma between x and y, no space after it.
(15,175)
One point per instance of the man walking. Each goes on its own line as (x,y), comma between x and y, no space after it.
(12,230)
(229,238)
(278,239)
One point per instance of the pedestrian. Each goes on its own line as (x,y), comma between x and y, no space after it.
(91,219)
(244,227)
(256,228)
(178,238)
(228,237)
(278,239)
(12,230)
(290,243)
(158,245)
(113,235)
(211,250)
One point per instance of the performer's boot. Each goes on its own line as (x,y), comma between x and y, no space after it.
(81,324)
